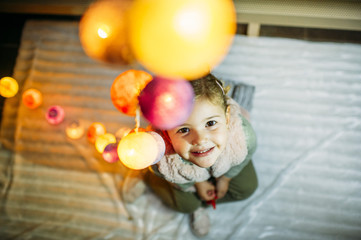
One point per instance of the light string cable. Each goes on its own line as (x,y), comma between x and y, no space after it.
(220,85)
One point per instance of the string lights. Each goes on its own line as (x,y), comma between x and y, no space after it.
(175,41)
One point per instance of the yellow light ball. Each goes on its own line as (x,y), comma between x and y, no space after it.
(138,150)
(103,140)
(182,38)
(103,31)
(8,87)
(74,130)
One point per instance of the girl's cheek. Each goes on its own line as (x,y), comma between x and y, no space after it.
(178,144)
(223,137)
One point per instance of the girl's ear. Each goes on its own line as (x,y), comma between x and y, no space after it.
(228,114)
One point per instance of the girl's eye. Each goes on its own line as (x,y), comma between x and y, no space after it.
(211,123)
(183,130)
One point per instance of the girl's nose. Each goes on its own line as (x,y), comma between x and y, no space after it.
(199,137)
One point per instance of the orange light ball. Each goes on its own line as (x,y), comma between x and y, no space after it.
(103,140)
(8,87)
(103,31)
(126,88)
(182,38)
(96,129)
(32,98)
(138,150)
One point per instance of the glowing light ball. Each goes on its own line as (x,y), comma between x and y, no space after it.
(182,38)
(32,98)
(160,145)
(103,31)
(139,130)
(95,129)
(122,132)
(166,103)
(126,88)
(138,150)
(103,140)
(55,115)
(110,153)
(74,130)
(8,87)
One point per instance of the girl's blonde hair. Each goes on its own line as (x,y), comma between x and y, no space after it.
(212,89)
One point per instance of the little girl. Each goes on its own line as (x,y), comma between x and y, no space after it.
(207,158)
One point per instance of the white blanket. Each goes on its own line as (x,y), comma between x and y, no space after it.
(306,112)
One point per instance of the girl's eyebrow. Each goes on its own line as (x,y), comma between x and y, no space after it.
(206,119)
(215,116)
(183,126)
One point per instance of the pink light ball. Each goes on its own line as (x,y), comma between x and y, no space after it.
(32,98)
(160,145)
(138,150)
(110,153)
(166,103)
(55,115)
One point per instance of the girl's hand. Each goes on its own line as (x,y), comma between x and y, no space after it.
(206,190)
(222,186)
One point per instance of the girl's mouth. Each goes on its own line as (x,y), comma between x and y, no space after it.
(202,153)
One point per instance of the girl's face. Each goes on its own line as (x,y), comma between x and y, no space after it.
(202,138)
